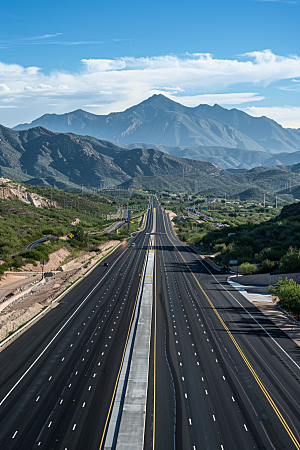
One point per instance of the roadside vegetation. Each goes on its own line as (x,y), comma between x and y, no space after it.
(80,216)
(288,292)
(260,238)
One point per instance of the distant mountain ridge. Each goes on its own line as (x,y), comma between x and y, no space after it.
(161,121)
(225,157)
(65,160)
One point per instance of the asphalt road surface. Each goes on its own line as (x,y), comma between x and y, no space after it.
(33,244)
(57,380)
(222,375)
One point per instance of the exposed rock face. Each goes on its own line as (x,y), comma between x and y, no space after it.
(14,191)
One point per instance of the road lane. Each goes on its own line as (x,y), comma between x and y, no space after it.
(222,376)
(270,356)
(78,367)
(248,381)
(202,395)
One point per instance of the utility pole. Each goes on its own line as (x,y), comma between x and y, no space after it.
(264,200)
(42,262)
(81,188)
(276,202)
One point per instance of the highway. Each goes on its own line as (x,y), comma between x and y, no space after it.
(222,375)
(57,380)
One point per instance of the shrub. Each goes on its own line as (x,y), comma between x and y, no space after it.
(77,244)
(3,268)
(17,261)
(48,230)
(249,269)
(220,247)
(290,262)
(267,266)
(195,239)
(36,254)
(273,254)
(79,233)
(288,292)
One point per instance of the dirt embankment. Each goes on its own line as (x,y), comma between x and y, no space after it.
(171,214)
(54,263)
(30,294)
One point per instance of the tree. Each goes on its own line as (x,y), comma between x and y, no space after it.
(290,262)
(79,233)
(288,292)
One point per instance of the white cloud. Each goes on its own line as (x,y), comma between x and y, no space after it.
(294,87)
(103,65)
(287,116)
(13,74)
(173,90)
(222,99)
(47,39)
(4,88)
(116,84)
(45,36)
(257,67)
(93,106)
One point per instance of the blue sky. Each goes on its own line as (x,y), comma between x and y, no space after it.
(106,56)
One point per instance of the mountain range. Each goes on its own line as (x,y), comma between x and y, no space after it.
(65,160)
(228,138)
(226,157)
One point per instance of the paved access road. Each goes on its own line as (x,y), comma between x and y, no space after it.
(33,244)
(222,375)
(57,380)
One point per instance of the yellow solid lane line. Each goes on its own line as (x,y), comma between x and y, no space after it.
(154,368)
(256,377)
(123,356)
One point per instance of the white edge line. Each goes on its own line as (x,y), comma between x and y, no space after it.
(59,331)
(224,288)
(57,299)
